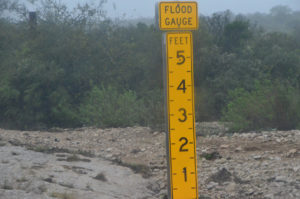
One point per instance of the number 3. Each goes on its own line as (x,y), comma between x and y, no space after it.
(183,114)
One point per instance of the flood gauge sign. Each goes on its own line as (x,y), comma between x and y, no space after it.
(181,116)
(178,15)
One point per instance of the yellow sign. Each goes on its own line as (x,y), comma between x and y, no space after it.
(178,15)
(181,117)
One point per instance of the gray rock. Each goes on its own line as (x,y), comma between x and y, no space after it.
(211,185)
(65,178)
(221,176)
(230,187)
(257,157)
(281,179)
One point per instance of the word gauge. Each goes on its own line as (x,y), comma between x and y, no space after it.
(181,136)
(178,15)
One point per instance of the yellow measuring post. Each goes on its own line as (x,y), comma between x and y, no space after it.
(181,116)
(179,83)
(178,15)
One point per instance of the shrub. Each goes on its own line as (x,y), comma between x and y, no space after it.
(107,107)
(268,106)
(204,105)
(153,109)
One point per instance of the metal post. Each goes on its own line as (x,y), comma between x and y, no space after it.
(32,20)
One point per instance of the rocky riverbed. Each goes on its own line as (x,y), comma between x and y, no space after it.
(130,163)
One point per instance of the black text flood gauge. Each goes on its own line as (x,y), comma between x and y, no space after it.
(177,17)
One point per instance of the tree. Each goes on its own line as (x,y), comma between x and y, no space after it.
(280,11)
(236,34)
(216,24)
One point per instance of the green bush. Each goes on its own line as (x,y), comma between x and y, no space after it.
(204,105)
(268,106)
(153,109)
(107,107)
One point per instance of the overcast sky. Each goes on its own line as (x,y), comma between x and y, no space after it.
(145,8)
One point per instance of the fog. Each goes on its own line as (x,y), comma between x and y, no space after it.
(145,8)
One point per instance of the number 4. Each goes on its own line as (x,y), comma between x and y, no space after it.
(182,86)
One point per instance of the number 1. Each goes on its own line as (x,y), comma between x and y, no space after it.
(184,172)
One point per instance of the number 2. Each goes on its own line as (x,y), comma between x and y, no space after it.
(185,143)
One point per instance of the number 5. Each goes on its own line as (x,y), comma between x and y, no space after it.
(181,57)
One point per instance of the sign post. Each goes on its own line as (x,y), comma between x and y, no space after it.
(180,16)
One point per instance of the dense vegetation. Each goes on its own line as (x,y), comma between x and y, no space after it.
(77,68)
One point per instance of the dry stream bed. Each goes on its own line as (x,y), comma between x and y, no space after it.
(130,163)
